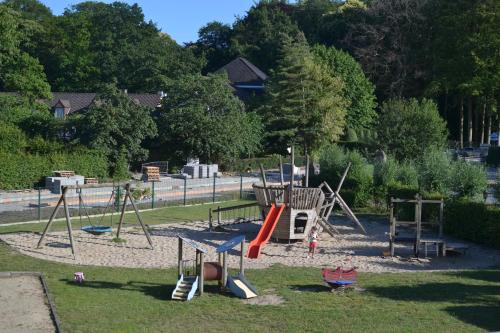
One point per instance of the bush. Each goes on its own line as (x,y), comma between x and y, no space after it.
(333,161)
(434,171)
(23,170)
(468,180)
(408,128)
(493,156)
(473,221)
(12,139)
(268,162)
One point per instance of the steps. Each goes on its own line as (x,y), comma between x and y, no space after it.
(182,291)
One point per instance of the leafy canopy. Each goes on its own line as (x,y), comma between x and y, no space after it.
(201,117)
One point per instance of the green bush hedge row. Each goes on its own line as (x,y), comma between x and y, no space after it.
(21,170)
(268,162)
(473,221)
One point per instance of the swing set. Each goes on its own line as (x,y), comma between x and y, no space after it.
(94,229)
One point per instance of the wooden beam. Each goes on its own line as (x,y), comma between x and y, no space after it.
(51,219)
(68,223)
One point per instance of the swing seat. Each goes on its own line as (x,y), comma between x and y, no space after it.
(96,229)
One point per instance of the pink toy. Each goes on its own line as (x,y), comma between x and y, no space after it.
(79,277)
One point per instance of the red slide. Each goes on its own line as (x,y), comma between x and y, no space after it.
(265,231)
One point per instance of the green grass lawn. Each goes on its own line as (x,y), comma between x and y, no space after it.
(137,300)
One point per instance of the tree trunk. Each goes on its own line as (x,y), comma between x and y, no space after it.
(469,122)
(461,122)
(445,111)
(488,132)
(483,124)
(498,130)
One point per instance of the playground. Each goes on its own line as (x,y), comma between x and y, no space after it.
(349,248)
(249,255)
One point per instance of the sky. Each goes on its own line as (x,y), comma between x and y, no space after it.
(181,19)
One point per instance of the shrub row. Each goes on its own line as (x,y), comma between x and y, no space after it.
(473,221)
(22,170)
(268,162)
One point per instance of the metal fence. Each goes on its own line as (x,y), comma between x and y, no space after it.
(38,204)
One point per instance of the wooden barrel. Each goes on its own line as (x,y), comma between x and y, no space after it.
(212,271)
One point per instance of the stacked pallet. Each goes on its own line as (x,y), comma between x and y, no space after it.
(64,173)
(151,173)
(91,181)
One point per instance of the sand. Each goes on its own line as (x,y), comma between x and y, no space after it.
(24,307)
(349,248)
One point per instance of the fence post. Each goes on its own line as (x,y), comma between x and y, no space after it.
(153,195)
(185,188)
(241,186)
(213,191)
(39,204)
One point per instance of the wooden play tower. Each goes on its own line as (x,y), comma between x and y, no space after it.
(304,207)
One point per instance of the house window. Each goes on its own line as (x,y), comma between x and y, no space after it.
(59,113)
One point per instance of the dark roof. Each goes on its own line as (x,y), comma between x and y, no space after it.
(242,71)
(79,101)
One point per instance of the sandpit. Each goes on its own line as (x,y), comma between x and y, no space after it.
(350,248)
(24,305)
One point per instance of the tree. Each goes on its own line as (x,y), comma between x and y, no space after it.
(30,9)
(407,127)
(257,36)
(81,52)
(358,90)
(309,16)
(115,123)
(388,39)
(304,102)
(214,43)
(201,117)
(19,71)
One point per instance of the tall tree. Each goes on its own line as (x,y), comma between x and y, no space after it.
(19,71)
(201,117)
(304,103)
(387,40)
(82,53)
(115,123)
(214,43)
(357,90)
(257,35)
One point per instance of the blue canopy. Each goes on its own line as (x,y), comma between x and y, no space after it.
(230,244)
(192,244)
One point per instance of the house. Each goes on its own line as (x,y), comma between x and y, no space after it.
(64,103)
(245,78)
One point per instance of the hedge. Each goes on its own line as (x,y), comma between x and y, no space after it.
(268,162)
(473,221)
(21,170)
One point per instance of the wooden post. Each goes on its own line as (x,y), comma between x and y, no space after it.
(51,219)
(281,171)
(122,215)
(441,218)
(219,260)
(68,222)
(418,220)
(146,232)
(264,182)
(307,170)
(202,272)
(179,254)
(224,269)
(343,178)
(392,229)
(292,158)
(242,260)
